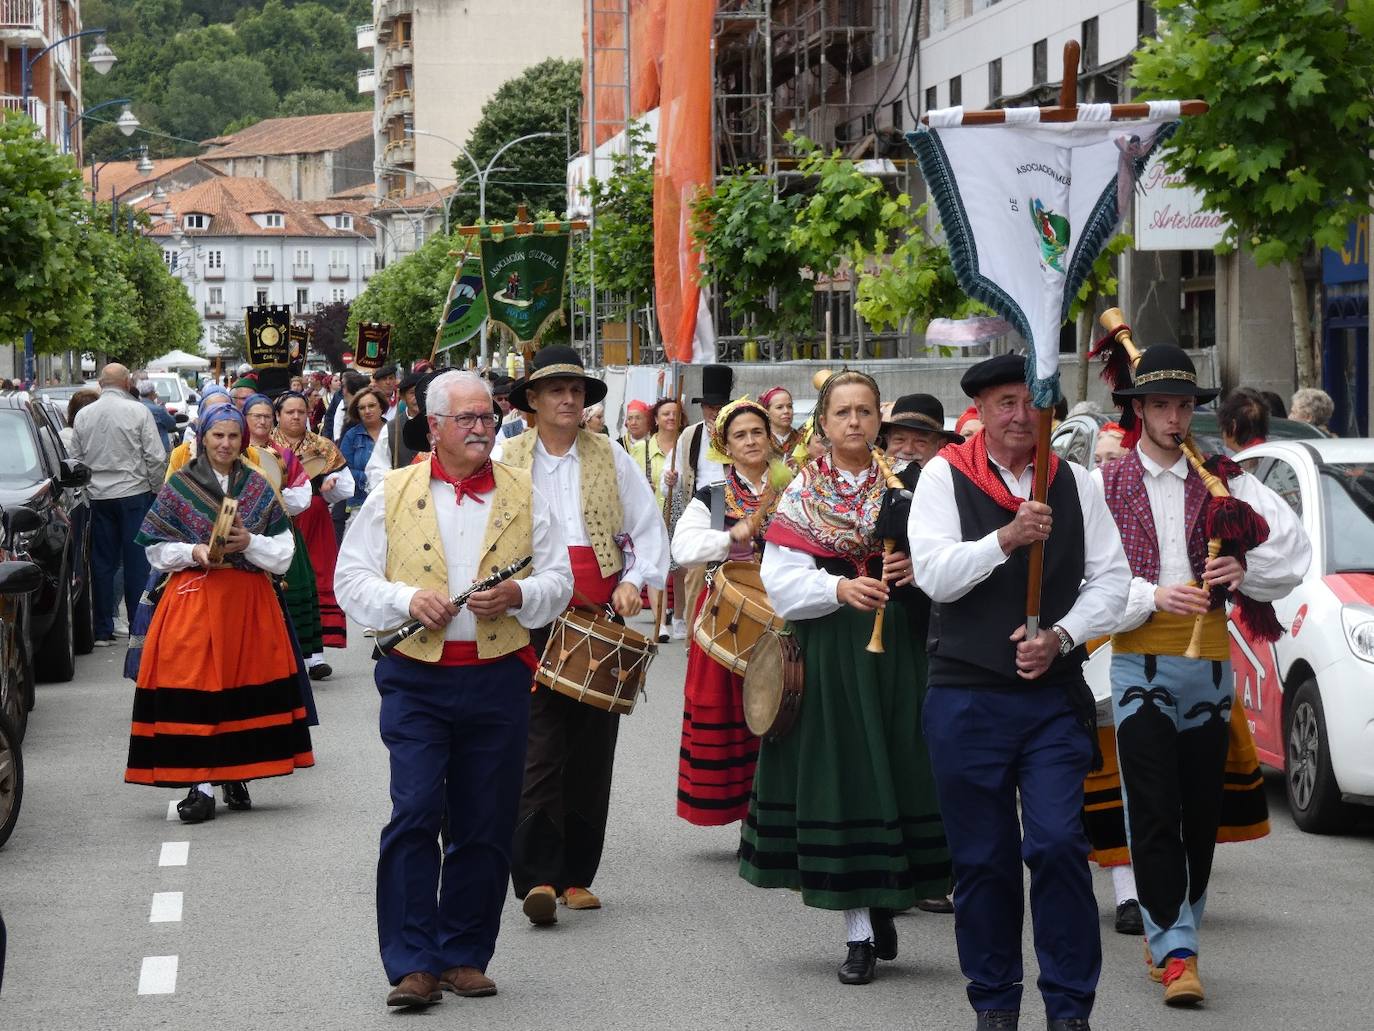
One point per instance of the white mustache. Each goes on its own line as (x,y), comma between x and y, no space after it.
(477,440)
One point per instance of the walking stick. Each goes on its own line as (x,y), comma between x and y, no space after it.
(875,642)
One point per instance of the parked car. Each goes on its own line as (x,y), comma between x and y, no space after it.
(60,395)
(18,579)
(174,394)
(1076,437)
(36,472)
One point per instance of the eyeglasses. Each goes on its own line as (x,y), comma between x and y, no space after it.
(468,420)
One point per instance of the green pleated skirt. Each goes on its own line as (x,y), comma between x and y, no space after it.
(844,807)
(303,600)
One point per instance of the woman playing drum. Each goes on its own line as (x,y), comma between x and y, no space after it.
(219,695)
(844,806)
(716,764)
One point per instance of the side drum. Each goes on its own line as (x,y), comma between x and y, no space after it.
(594,659)
(773,685)
(735,615)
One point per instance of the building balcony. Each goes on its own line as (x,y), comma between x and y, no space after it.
(397,55)
(367,80)
(367,36)
(36,109)
(400,152)
(214,311)
(214,273)
(388,9)
(264,272)
(398,104)
(302,271)
(338,272)
(21,21)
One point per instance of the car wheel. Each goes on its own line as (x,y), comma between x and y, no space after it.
(56,659)
(1313,795)
(83,630)
(11,778)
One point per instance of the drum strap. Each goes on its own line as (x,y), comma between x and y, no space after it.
(718,506)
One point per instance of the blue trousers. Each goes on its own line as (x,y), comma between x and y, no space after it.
(114,523)
(986,746)
(456,736)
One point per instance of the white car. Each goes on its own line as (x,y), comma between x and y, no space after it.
(1310,695)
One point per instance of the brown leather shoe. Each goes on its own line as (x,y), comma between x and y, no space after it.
(580,898)
(541,905)
(1182,986)
(467,981)
(417,989)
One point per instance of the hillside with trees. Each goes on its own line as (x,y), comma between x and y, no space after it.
(199,68)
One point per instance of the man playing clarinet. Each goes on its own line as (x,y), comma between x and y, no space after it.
(1007,717)
(1171,711)
(455,697)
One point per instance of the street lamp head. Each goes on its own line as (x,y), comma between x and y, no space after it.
(127,122)
(159,194)
(101,57)
(145,163)
(168,215)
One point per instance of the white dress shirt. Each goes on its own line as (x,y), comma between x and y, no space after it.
(561,479)
(117,438)
(947,567)
(296,499)
(272,553)
(369,598)
(379,464)
(695,541)
(1271,570)
(707,471)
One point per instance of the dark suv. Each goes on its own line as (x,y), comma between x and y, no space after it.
(35,472)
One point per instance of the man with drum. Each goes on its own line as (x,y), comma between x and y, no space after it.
(616,544)
(1007,717)
(455,697)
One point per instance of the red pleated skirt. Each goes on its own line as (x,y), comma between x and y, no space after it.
(317,528)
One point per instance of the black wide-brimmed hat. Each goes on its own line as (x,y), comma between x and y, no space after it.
(994,372)
(717,384)
(556,363)
(415,432)
(1165,369)
(922,412)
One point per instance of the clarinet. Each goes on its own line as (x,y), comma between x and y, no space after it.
(386,644)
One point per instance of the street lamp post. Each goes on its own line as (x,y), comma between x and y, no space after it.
(127,122)
(482,174)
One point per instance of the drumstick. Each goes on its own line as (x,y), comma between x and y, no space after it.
(875,643)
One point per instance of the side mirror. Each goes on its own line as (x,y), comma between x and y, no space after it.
(22,519)
(20,577)
(74,473)
(182,418)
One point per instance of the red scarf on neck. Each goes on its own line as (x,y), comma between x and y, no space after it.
(971,459)
(483,481)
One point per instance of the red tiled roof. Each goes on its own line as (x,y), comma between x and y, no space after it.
(124,175)
(306,134)
(231,201)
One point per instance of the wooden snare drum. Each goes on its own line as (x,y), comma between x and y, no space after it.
(773,685)
(596,660)
(224,522)
(735,615)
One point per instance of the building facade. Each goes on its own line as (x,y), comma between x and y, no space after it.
(54,102)
(235,242)
(307,158)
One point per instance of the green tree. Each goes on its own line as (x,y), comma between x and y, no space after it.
(410,295)
(1101,282)
(541,99)
(329,333)
(313,100)
(1283,152)
(45,275)
(204,97)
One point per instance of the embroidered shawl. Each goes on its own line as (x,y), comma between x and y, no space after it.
(319,455)
(824,515)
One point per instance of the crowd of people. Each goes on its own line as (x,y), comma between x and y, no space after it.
(935,743)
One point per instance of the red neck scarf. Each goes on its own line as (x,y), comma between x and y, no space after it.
(971,459)
(483,481)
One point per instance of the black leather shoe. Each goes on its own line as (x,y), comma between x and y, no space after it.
(1128,918)
(998,1020)
(236,796)
(321,671)
(884,933)
(859,966)
(196,807)
(1070,1024)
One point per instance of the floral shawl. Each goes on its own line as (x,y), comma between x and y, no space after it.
(319,456)
(824,515)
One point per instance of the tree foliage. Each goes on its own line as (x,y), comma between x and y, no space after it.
(1283,152)
(621,239)
(410,295)
(328,327)
(544,98)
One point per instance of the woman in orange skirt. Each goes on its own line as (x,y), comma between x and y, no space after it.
(219,695)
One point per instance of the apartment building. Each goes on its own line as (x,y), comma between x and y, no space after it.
(236,241)
(54,102)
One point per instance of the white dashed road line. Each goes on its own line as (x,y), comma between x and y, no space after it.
(172,813)
(158,975)
(174,853)
(166,908)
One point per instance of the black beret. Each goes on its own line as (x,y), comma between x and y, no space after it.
(1003,368)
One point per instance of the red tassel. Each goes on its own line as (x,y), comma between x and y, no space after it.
(1222,467)
(1236,523)
(1116,367)
(1257,619)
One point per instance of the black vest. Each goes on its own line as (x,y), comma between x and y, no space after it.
(969,643)
(914,600)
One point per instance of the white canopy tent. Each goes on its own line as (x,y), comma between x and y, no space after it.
(177,360)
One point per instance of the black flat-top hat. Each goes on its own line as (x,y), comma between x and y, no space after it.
(415,432)
(556,363)
(1165,369)
(922,412)
(994,372)
(717,384)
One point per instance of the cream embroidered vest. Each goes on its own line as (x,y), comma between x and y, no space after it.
(602,514)
(415,551)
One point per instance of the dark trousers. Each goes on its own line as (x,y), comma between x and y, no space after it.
(114,523)
(456,737)
(985,747)
(567,793)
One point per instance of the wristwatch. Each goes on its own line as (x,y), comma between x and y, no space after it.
(1065,641)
